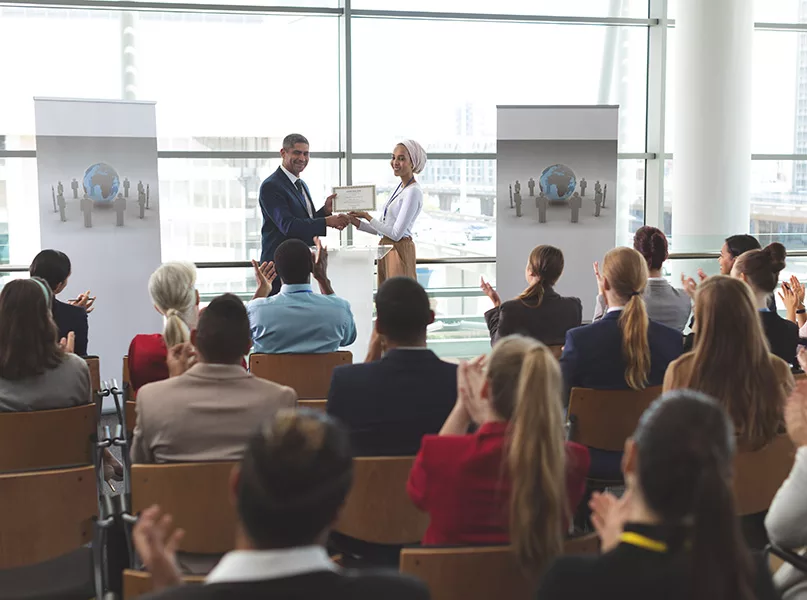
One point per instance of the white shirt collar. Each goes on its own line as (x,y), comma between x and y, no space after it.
(656,279)
(257,565)
(292,177)
(615,309)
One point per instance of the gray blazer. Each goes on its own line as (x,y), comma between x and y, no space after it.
(665,304)
(64,386)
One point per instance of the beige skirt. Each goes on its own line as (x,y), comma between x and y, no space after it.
(399,261)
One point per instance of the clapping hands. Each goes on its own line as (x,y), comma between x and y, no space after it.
(609,515)
(157,542)
(690,285)
(265,274)
(490,292)
(471,379)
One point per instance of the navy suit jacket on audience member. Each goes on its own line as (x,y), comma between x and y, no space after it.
(285,216)
(388,405)
(71,318)
(783,336)
(592,355)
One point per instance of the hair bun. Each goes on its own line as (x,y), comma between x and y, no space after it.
(777,254)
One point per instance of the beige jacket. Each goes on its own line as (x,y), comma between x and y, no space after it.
(206,414)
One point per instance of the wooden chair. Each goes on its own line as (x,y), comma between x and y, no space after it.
(130,408)
(308,374)
(94,364)
(320,405)
(478,573)
(604,419)
(128,392)
(378,509)
(138,583)
(47,439)
(759,474)
(556,351)
(46,514)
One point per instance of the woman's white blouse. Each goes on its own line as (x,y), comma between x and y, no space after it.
(400,217)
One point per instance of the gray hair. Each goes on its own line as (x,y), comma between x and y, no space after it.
(172,288)
(294,138)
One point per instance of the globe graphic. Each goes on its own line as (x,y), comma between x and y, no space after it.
(101,183)
(558,182)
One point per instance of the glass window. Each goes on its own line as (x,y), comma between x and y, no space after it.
(766,11)
(779,202)
(459,71)
(572,8)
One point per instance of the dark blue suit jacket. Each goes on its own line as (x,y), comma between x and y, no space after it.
(592,354)
(72,318)
(285,216)
(390,404)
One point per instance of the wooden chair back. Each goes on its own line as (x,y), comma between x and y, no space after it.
(308,374)
(478,572)
(46,439)
(94,364)
(319,405)
(198,497)
(138,583)
(557,351)
(46,514)
(800,376)
(604,419)
(759,474)
(378,509)
(130,409)
(128,392)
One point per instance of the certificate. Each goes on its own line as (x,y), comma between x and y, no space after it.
(354,197)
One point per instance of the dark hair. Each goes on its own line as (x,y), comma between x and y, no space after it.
(739,244)
(546,262)
(652,244)
(51,265)
(685,449)
(293,138)
(403,310)
(295,475)
(223,335)
(762,267)
(28,335)
(294,262)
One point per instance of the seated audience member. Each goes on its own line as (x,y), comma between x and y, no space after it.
(760,270)
(665,304)
(539,312)
(786,521)
(172,288)
(208,411)
(388,405)
(54,267)
(674,533)
(288,490)
(514,480)
(298,321)
(731,361)
(37,372)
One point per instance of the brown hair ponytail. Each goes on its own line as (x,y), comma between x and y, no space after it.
(626,272)
(536,452)
(546,263)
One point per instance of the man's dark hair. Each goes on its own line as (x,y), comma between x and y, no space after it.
(295,475)
(403,310)
(739,244)
(223,335)
(294,138)
(51,265)
(293,262)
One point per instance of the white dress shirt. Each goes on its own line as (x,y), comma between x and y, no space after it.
(257,565)
(398,216)
(309,205)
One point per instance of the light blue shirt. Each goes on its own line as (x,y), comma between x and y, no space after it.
(298,321)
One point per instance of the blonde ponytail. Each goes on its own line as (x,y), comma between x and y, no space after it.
(635,345)
(172,288)
(536,455)
(176,331)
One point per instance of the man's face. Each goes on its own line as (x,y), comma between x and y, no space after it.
(726,260)
(296,159)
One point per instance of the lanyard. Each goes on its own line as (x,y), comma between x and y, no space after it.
(395,194)
(641,541)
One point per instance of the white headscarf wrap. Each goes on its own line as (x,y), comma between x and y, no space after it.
(416,153)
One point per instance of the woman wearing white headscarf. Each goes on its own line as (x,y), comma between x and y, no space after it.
(399,213)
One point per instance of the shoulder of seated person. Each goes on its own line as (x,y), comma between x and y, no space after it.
(371,578)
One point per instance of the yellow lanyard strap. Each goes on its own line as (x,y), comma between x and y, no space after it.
(641,541)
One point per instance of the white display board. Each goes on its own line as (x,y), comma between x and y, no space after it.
(551,150)
(91,151)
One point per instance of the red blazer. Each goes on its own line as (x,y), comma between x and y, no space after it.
(147,356)
(460,481)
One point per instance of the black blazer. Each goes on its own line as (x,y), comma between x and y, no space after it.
(547,322)
(632,573)
(592,354)
(285,216)
(317,585)
(72,318)
(783,336)
(390,404)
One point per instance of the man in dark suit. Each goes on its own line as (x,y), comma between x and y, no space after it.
(287,207)
(288,490)
(389,404)
(54,267)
